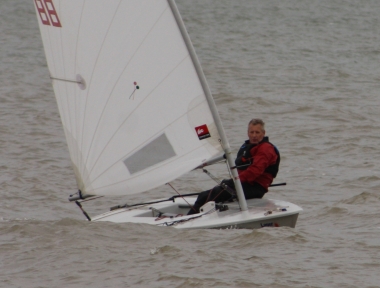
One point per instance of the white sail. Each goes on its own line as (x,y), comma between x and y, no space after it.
(132,106)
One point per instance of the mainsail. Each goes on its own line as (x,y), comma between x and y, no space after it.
(131,103)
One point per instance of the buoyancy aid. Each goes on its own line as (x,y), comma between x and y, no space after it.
(244,157)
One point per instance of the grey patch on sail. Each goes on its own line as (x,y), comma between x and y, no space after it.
(151,154)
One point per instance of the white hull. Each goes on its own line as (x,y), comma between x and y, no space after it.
(261,213)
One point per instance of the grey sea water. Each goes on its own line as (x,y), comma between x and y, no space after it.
(310,69)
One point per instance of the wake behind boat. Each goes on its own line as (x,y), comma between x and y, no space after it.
(137,111)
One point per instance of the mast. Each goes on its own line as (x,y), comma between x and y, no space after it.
(211,103)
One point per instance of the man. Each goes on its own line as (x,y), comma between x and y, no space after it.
(257,162)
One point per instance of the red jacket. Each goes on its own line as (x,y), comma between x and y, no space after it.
(263,155)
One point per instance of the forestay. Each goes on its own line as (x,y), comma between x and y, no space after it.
(133,110)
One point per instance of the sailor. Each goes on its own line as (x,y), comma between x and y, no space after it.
(257,162)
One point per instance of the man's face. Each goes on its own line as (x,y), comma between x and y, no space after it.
(256,133)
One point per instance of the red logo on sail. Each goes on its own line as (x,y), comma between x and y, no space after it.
(47,12)
(202,132)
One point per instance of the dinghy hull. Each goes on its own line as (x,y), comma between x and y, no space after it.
(261,213)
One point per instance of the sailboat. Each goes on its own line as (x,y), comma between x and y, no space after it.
(137,112)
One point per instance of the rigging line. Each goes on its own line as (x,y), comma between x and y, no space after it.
(135,109)
(216,195)
(175,222)
(219,184)
(225,187)
(191,206)
(90,81)
(168,224)
(90,199)
(113,88)
(147,141)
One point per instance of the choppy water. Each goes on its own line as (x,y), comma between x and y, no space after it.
(310,69)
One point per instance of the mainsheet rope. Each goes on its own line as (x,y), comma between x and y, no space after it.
(192,207)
